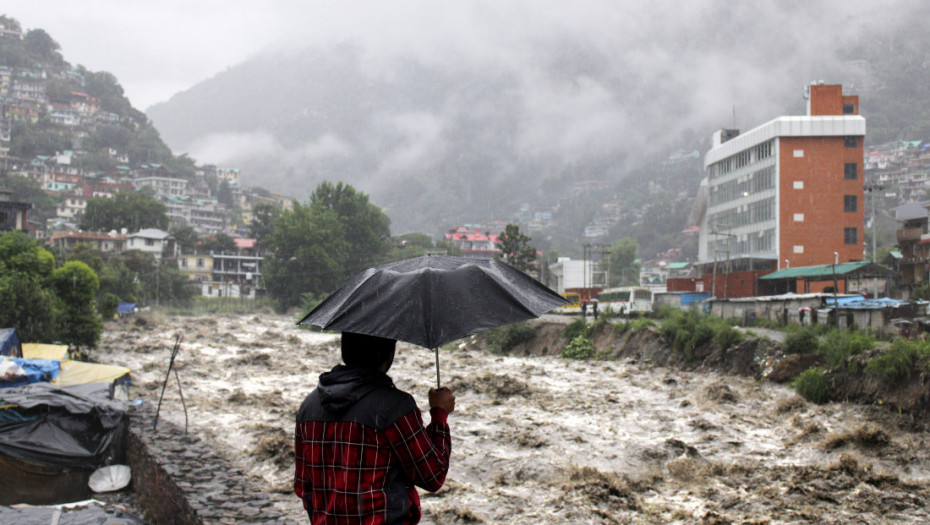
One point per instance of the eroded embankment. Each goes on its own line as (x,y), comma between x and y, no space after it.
(756,357)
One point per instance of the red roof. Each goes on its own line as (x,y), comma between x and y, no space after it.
(244,244)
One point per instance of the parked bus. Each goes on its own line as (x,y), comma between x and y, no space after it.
(574,307)
(626,300)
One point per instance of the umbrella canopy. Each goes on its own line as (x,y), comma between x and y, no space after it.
(432,300)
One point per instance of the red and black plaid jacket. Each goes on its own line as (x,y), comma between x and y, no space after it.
(360,448)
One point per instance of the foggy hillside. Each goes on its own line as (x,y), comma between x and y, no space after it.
(467,129)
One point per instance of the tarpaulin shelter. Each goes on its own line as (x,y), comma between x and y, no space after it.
(52,438)
(51,364)
(125,308)
(9,343)
(45,351)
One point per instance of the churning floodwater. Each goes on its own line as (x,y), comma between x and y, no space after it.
(550,440)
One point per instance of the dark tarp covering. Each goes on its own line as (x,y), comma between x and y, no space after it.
(66,433)
(78,426)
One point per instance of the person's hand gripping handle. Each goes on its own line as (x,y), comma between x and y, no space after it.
(442,398)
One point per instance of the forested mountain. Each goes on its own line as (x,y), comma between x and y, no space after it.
(440,143)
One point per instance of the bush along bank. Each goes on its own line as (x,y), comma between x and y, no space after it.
(822,364)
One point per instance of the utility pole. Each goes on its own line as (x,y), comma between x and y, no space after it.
(726,283)
(872,188)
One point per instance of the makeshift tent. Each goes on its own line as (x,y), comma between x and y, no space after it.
(125,308)
(18,371)
(9,343)
(41,351)
(70,372)
(60,435)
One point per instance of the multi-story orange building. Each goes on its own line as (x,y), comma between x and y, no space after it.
(788,193)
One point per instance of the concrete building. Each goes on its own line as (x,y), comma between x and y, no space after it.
(788,193)
(570,274)
(157,242)
(101,241)
(12,214)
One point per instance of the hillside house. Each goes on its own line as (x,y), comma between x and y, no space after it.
(102,242)
(157,242)
(473,243)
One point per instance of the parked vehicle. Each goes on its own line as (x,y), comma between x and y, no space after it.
(626,300)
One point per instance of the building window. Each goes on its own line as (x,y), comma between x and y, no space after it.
(183,263)
(150,242)
(849,109)
(851,235)
(850,142)
(851,171)
(850,203)
(199,263)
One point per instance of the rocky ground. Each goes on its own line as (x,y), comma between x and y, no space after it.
(539,439)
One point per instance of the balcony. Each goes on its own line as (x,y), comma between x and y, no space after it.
(910,234)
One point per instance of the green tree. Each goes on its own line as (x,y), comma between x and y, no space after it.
(515,248)
(307,250)
(187,239)
(622,268)
(42,48)
(27,190)
(131,210)
(77,285)
(410,245)
(87,254)
(219,243)
(314,247)
(117,278)
(27,303)
(365,228)
(263,218)
(12,50)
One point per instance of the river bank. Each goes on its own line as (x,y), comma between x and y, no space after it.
(537,438)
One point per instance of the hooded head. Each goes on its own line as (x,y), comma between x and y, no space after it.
(367,351)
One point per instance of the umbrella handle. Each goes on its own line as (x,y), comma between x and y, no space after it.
(438,383)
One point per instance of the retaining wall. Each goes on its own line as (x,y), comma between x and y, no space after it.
(181,480)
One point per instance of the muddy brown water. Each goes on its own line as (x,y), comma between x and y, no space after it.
(548,440)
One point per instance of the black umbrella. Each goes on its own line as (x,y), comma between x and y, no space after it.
(432,300)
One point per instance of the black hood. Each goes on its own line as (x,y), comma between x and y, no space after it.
(342,387)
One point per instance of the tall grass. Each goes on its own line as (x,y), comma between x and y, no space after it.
(838,346)
(813,385)
(687,330)
(801,341)
(899,362)
(504,338)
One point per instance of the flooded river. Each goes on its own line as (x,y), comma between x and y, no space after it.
(548,440)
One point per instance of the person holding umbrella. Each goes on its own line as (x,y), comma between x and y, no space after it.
(360,443)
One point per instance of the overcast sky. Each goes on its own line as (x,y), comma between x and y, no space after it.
(162,47)
(159,48)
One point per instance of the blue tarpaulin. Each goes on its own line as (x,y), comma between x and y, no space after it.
(9,342)
(125,308)
(863,303)
(36,370)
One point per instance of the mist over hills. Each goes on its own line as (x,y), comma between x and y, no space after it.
(467,131)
